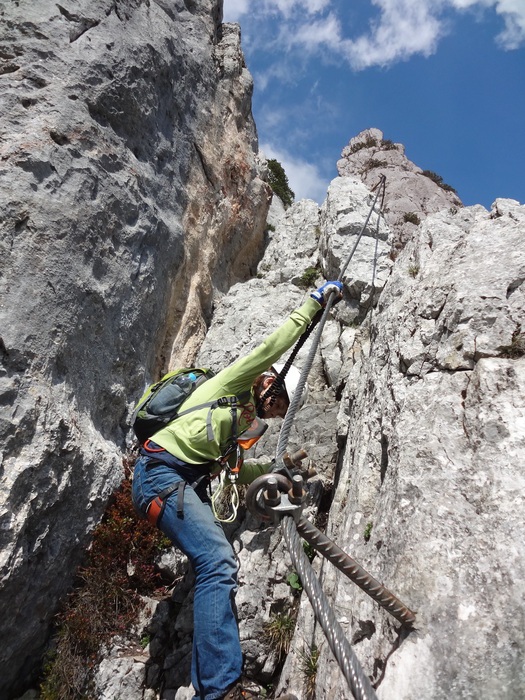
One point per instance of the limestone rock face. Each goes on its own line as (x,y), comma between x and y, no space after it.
(430,496)
(344,213)
(130,189)
(424,455)
(134,217)
(292,246)
(410,194)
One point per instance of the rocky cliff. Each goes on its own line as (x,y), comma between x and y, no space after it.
(415,424)
(430,491)
(133,221)
(412,192)
(130,190)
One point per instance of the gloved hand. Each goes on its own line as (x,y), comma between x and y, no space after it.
(321,295)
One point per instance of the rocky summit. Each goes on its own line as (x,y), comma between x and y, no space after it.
(137,236)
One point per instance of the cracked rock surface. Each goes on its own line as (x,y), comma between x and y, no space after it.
(431,493)
(132,233)
(128,180)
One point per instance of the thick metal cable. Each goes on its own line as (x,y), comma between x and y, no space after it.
(340,646)
(380,188)
(286,427)
(374,266)
(289,418)
(349,664)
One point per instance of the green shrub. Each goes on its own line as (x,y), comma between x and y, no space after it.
(375,163)
(388,145)
(438,180)
(309,550)
(308,278)
(369,143)
(368,531)
(412,218)
(279,632)
(279,182)
(294,582)
(309,665)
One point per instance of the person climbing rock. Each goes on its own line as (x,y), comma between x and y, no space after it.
(172,473)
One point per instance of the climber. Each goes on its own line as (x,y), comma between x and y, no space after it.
(172,473)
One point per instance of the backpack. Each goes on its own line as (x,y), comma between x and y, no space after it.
(160,403)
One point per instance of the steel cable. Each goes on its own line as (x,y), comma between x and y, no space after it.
(286,427)
(356,678)
(348,662)
(380,189)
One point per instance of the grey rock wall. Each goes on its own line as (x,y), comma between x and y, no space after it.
(410,194)
(133,208)
(430,494)
(129,190)
(415,425)
(242,319)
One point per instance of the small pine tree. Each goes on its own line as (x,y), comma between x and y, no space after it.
(279,182)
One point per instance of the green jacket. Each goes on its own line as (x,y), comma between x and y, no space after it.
(186,437)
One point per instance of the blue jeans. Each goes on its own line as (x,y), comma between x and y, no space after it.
(217,658)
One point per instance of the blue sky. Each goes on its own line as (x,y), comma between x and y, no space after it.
(446,78)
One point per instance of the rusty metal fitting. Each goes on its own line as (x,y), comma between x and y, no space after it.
(262,492)
(297,495)
(295,459)
(272,495)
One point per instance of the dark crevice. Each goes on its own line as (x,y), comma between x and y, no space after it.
(341,446)
(514,286)
(205,167)
(60,139)
(323,509)
(84,24)
(384,456)
(9,68)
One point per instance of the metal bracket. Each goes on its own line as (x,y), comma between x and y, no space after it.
(272,496)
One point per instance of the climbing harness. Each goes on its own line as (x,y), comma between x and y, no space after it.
(159,456)
(281,499)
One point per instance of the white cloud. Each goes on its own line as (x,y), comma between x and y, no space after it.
(408,27)
(400,29)
(404,28)
(313,34)
(234,9)
(304,178)
(286,7)
(511,11)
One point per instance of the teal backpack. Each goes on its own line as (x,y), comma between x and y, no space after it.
(160,403)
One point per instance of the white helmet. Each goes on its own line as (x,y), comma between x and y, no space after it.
(291,381)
